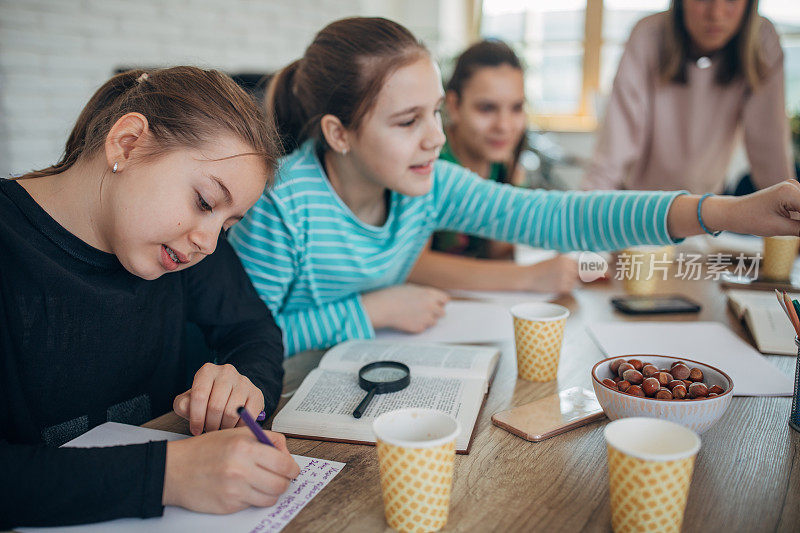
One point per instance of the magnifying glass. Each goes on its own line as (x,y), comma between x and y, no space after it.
(381,377)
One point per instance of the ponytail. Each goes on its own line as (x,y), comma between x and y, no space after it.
(186,107)
(76,142)
(284,110)
(340,74)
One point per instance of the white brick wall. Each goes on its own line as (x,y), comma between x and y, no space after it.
(55,53)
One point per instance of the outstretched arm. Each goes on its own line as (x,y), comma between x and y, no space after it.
(603,220)
(771,211)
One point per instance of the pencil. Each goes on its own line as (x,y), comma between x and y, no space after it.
(792,313)
(783,304)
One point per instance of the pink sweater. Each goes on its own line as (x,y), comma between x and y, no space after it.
(672,136)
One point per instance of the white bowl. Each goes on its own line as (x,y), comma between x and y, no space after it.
(698,414)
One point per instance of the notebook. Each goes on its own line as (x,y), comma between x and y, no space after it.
(451,378)
(766,321)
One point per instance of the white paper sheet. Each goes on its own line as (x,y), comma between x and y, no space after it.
(507,299)
(706,342)
(314,475)
(465,322)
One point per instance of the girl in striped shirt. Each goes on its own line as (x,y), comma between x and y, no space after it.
(328,248)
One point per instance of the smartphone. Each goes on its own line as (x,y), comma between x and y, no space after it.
(551,415)
(654,305)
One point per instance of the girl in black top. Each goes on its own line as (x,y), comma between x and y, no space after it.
(97,279)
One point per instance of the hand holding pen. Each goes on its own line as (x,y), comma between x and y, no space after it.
(227,471)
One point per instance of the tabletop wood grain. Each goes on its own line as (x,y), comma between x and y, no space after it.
(747,474)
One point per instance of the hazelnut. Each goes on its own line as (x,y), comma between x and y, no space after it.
(698,390)
(649,371)
(680,371)
(637,364)
(696,374)
(645,380)
(679,391)
(634,377)
(663,394)
(672,384)
(635,390)
(650,386)
(623,367)
(610,384)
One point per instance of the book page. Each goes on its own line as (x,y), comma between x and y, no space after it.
(314,475)
(451,360)
(323,405)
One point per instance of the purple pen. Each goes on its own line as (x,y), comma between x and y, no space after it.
(255,428)
(261,416)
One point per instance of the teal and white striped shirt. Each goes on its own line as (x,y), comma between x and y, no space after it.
(310,258)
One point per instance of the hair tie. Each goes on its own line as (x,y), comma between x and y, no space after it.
(142,78)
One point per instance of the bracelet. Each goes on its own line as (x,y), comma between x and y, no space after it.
(700,216)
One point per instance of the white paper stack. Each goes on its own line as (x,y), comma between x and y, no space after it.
(314,475)
(463,322)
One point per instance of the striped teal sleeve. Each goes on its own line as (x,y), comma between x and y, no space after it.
(564,221)
(271,257)
(322,326)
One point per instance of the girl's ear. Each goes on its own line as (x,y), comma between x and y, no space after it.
(451,103)
(126,135)
(335,133)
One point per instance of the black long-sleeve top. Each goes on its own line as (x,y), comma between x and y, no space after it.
(82,342)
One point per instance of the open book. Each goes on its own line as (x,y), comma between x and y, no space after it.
(451,378)
(763,316)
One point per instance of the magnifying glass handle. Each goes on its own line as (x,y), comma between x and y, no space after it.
(364,404)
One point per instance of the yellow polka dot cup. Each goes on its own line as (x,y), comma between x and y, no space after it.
(650,464)
(538,335)
(779,256)
(416,453)
(644,268)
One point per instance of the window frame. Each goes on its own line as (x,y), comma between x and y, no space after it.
(584,119)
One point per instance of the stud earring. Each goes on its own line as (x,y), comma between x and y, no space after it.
(114,170)
(344,152)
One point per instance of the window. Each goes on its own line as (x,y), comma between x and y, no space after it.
(785,15)
(549,38)
(571,49)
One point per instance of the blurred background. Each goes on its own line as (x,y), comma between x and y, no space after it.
(55,53)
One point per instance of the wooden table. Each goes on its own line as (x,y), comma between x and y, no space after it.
(746,478)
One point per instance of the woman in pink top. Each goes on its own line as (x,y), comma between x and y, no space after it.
(690,80)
